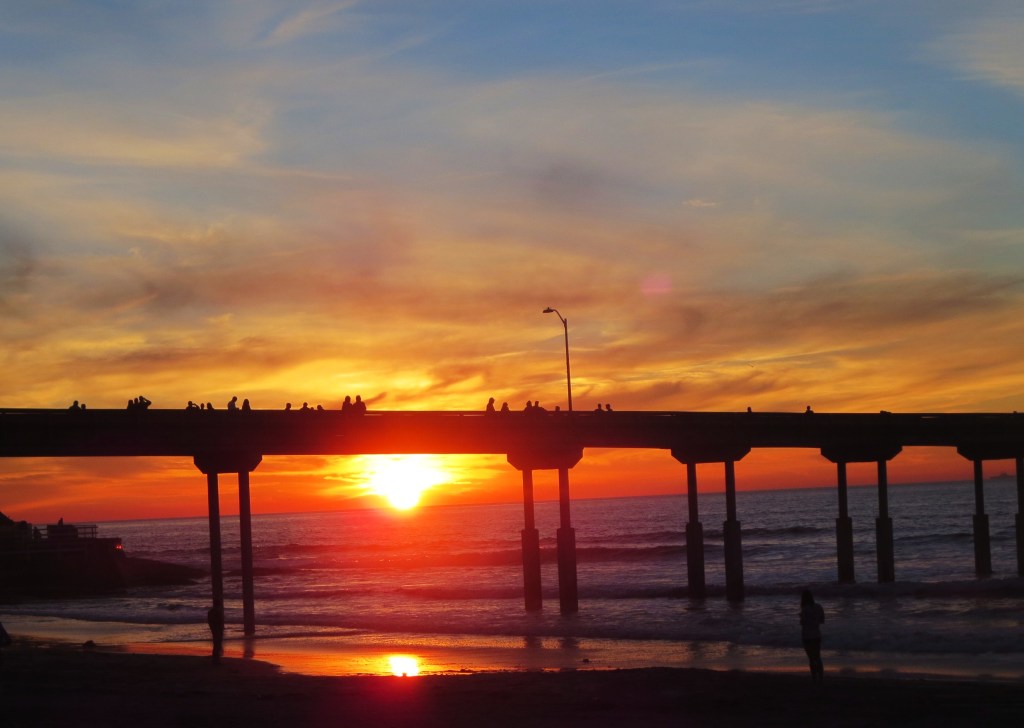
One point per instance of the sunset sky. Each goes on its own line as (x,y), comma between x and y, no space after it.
(765,203)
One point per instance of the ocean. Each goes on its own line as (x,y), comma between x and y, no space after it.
(347,592)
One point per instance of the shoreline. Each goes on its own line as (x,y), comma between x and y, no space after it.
(45,683)
(371,653)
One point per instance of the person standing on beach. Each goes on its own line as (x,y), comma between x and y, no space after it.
(5,639)
(812,616)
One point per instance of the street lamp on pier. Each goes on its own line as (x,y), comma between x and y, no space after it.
(568,376)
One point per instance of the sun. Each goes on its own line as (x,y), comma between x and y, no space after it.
(404,665)
(401,479)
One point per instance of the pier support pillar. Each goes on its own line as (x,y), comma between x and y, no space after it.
(844,530)
(883,529)
(1019,520)
(243,463)
(559,458)
(734,591)
(216,563)
(982,543)
(245,531)
(531,548)
(711,451)
(568,594)
(694,537)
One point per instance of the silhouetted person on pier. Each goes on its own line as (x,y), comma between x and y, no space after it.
(598,408)
(607,407)
(808,411)
(359,406)
(504,408)
(209,405)
(490,406)
(246,407)
(287,406)
(528,409)
(537,409)
(215,618)
(143,402)
(812,616)
(233,404)
(74,406)
(346,406)
(304,407)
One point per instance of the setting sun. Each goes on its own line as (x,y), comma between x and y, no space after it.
(404,665)
(402,479)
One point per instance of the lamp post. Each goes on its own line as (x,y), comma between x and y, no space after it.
(568,376)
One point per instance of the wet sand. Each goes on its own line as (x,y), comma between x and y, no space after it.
(44,685)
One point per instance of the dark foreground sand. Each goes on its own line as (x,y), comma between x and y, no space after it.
(69,686)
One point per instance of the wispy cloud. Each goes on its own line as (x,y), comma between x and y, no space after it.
(987,48)
(307,21)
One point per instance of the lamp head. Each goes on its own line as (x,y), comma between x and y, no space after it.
(548,310)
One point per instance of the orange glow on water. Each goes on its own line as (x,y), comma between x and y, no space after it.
(404,665)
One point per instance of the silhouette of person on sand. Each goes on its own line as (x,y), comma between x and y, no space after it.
(215,618)
(490,406)
(5,639)
(812,616)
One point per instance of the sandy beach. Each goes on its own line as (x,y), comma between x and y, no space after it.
(50,684)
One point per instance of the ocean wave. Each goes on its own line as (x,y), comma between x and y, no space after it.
(446,559)
(650,553)
(786,531)
(936,539)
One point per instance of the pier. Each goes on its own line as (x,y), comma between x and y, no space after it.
(235,442)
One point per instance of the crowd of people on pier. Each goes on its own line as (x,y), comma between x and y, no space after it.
(349,406)
(533,407)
